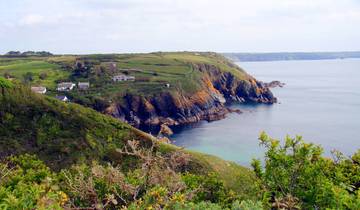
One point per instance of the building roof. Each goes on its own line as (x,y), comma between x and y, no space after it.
(65,85)
(62,98)
(38,89)
(83,83)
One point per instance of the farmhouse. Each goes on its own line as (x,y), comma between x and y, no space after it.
(62,98)
(83,85)
(65,86)
(123,77)
(38,89)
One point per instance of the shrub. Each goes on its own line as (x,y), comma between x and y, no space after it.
(28,77)
(26,183)
(296,175)
(43,75)
(5,83)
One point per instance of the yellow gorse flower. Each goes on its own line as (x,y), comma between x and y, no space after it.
(63,198)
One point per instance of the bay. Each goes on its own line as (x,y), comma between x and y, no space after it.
(320,101)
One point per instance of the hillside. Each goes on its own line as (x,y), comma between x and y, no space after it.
(56,155)
(64,134)
(172,88)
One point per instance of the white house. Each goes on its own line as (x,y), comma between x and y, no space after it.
(39,89)
(65,86)
(123,77)
(83,85)
(130,78)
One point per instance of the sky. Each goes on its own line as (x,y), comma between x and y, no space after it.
(116,26)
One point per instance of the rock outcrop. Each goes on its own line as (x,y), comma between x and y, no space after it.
(274,84)
(178,108)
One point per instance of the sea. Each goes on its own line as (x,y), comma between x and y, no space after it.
(320,102)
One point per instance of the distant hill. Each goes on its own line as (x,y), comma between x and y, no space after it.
(236,57)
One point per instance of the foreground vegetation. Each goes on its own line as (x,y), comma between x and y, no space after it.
(26,183)
(58,155)
(295,176)
(66,135)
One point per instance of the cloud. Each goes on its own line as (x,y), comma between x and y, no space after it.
(32,19)
(143,25)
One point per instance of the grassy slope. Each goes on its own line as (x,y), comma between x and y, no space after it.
(62,134)
(59,133)
(173,68)
(235,177)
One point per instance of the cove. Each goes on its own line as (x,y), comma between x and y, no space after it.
(320,101)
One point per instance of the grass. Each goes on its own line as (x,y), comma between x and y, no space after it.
(238,178)
(235,177)
(19,67)
(161,68)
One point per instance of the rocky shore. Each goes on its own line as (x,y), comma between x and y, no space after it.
(179,108)
(274,84)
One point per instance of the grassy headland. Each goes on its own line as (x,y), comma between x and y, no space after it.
(172,87)
(152,70)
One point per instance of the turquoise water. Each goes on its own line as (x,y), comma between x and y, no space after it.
(321,102)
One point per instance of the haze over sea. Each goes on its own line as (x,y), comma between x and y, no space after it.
(320,101)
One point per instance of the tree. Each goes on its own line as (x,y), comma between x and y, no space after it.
(43,75)
(28,77)
(13,53)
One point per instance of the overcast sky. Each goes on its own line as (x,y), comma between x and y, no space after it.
(104,26)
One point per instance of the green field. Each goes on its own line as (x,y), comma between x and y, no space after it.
(152,72)
(17,68)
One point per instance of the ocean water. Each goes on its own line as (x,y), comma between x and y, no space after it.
(320,102)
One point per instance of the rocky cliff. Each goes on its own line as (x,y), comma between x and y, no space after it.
(178,108)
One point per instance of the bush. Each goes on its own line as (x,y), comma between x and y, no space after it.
(43,75)
(296,175)
(28,77)
(26,183)
(212,189)
(5,83)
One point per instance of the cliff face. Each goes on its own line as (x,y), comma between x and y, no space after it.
(178,108)
(234,89)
